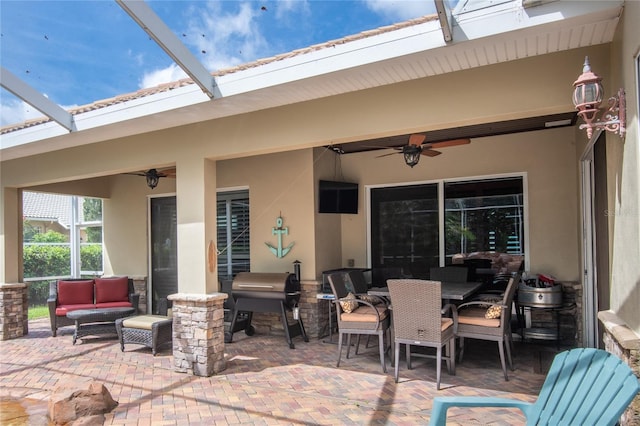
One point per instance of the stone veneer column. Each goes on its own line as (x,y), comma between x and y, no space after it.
(14,311)
(198,333)
(623,342)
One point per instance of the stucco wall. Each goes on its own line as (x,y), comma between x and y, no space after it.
(623,157)
(547,158)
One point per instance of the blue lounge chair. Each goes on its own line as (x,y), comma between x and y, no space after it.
(583,387)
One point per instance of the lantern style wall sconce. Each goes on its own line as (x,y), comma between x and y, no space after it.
(587,97)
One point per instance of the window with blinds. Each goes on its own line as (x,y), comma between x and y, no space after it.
(233,233)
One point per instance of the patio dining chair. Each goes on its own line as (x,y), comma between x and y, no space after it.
(418,321)
(357,316)
(485,320)
(583,387)
(455,274)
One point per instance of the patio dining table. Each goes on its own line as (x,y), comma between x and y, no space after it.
(450,290)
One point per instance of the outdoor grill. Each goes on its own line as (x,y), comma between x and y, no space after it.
(268,292)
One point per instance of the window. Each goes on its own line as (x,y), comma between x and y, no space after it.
(407,237)
(484,215)
(233,233)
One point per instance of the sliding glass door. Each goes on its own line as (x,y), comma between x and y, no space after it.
(408,236)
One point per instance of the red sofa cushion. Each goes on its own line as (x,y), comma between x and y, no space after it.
(75,292)
(62,310)
(114,305)
(112,290)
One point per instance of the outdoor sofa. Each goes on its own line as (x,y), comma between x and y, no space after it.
(73,294)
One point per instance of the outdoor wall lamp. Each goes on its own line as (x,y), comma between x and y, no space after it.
(152,178)
(411,154)
(587,97)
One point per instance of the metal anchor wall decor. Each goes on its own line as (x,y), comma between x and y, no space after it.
(279,230)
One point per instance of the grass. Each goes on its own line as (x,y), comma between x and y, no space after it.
(36,312)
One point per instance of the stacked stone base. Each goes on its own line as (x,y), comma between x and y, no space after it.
(198,333)
(14,311)
(623,342)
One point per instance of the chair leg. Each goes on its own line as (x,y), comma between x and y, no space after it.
(397,359)
(502,360)
(407,348)
(451,356)
(508,344)
(358,343)
(340,338)
(382,350)
(348,344)
(461,349)
(438,366)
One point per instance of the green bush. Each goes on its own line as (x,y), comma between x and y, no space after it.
(46,261)
(91,257)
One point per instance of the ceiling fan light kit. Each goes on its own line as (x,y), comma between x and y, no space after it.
(152,178)
(411,154)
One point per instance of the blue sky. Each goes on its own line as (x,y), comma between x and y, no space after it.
(78,52)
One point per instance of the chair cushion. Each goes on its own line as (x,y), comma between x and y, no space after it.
(114,305)
(475,316)
(75,292)
(365,314)
(445,323)
(143,322)
(349,303)
(493,312)
(112,290)
(62,310)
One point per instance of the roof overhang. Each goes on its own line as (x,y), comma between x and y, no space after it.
(482,36)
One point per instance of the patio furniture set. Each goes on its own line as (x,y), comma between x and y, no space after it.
(107,306)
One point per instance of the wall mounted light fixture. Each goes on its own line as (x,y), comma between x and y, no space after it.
(587,97)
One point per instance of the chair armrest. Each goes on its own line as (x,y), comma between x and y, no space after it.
(451,308)
(134,299)
(480,303)
(442,404)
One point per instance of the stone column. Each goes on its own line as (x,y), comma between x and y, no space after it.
(14,311)
(623,342)
(198,333)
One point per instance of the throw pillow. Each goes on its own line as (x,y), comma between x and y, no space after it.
(349,303)
(493,312)
(75,292)
(370,299)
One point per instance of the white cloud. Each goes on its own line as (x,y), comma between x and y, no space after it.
(401,10)
(165,75)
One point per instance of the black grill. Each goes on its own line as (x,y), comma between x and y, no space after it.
(267,292)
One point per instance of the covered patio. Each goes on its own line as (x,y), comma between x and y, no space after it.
(265,382)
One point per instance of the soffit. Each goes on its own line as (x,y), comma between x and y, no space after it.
(481,37)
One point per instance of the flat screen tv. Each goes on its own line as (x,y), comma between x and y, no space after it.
(338,197)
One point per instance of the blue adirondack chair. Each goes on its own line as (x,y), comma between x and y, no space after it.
(583,387)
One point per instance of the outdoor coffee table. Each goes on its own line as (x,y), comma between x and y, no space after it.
(93,322)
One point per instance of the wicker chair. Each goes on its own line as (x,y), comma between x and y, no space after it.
(364,318)
(151,331)
(418,320)
(476,322)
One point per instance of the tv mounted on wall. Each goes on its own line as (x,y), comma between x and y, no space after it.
(338,197)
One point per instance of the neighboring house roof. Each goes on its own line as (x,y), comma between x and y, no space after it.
(490,32)
(42,207)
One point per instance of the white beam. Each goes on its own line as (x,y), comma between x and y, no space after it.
(444,15)
(13,84)
(171,44)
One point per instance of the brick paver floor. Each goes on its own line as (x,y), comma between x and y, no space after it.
(265,382)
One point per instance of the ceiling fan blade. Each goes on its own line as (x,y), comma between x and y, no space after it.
(416,139)
(452,142)
(430,152)
(386,155)
(171,172)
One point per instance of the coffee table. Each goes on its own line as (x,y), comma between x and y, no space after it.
(93,322)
